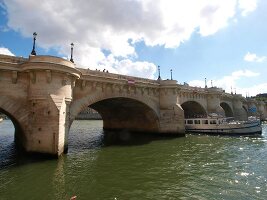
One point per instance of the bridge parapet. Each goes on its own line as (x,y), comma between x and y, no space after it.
(87,74)
(191,89)
(51,60)
(227,96)
(12,59)
(215,90)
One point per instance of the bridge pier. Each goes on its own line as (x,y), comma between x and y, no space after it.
(49,95)
(171,113)
(213,102)
(239,111)
(262,110)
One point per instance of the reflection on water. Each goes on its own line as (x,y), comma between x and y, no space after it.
(127,166)
(59,180)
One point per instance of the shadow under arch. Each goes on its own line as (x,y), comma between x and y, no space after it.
(227,109)
(245,112)
(18,129)
(193,109)
(244,107)
(122,113)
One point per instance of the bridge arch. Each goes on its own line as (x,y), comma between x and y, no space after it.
(121,112)
(18,114)
(227,109)
(193,109)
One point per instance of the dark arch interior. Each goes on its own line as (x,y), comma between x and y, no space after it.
(245,112)
(10,139)
(227,109)
(124,113)
(17,127)
(193,109)
(245,109)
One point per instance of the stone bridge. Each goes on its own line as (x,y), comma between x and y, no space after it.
(42,95)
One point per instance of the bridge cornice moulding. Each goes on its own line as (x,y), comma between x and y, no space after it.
(120,86)
(42,66)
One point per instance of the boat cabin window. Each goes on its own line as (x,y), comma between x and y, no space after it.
(197,121)
(212,121)
(205,121)
(189,121)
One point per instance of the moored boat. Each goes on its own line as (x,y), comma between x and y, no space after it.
(223,126)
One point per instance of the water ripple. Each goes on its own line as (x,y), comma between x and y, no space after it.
(193,167)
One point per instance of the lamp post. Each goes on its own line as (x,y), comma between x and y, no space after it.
(71,52)
(171,74)
(159,73)
(33,47)
(205,82)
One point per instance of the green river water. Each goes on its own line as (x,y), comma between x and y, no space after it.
(136,167)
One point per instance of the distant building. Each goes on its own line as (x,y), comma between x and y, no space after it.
(264,95)
(88,114)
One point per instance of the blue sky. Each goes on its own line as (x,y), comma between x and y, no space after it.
(224,41)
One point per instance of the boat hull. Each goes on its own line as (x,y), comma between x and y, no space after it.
(228,129)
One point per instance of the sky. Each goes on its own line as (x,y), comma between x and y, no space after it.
(223,41)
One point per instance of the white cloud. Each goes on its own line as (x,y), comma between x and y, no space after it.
(197,83)
(252,57)
(115,26)
(6,51)
(128,67)
(253,90)
(243,73)
(229,83)
(247,6)
(141,69)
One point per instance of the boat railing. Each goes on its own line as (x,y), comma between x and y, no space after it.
(216,121)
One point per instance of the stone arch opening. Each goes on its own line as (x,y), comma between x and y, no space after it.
(124,113)
(17,127)
(192,109)
(10,137)
(122,117)
(227,109)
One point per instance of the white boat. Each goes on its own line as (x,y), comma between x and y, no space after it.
(223,126)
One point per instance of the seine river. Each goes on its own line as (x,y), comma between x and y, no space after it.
(137,167)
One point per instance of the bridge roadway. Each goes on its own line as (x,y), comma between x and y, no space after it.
(42,95)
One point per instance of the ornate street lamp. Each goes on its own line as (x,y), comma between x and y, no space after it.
(33,47)
(171,74)
(71,52)
(159,73)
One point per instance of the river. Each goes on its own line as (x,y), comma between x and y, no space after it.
(136,167)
